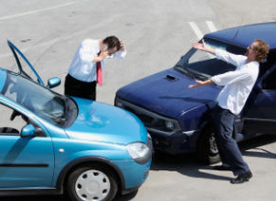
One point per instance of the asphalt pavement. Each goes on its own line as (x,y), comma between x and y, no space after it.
(156,34)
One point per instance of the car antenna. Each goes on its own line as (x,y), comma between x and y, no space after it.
(236,34)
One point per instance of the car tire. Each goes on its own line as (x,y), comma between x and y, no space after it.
(92,182)
(207,150)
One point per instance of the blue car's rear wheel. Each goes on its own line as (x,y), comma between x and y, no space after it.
(92,183)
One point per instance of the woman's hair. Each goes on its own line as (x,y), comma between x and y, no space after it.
(261,49)
(112,41)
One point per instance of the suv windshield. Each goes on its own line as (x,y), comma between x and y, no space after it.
(202,65)
(52,107)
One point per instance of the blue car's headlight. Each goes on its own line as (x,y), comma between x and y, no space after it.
(140,152)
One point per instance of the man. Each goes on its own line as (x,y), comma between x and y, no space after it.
(86,67)
(231,100)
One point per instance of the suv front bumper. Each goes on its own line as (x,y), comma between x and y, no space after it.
(174,142)
(177,143)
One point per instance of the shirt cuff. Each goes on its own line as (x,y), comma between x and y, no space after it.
(218,53)
(122,54)
(216,79)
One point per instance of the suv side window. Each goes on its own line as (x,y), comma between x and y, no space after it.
(269,82)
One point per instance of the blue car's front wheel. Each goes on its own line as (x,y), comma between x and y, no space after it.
(92,183)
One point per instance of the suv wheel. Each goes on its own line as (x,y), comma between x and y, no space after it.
(207,150)
(93,182)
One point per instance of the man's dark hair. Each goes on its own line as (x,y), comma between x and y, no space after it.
(112,41)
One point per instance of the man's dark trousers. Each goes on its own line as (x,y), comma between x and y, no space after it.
(228,147)
(77,88)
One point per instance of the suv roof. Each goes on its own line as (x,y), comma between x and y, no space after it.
(243,36)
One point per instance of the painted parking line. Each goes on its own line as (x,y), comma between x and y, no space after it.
(196,30)
(211,26)
(37,11)
(199,34)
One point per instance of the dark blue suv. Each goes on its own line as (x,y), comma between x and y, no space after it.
(178,118)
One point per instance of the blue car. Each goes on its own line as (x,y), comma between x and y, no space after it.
(178,118)
(51,143)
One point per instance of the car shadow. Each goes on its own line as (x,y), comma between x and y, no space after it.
(35,198)
(62,197)
(252,148)
(185,164)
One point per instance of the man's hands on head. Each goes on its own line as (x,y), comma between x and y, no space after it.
(122,46)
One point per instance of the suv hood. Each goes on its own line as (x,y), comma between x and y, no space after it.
(101,122)
(167,93)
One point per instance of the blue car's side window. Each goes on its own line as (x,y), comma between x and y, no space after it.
(12,122)
(8,126)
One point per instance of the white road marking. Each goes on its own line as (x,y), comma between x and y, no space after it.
(199,34)
(211,26)
(36,11)
(196,30)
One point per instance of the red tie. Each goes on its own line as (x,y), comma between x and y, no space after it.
(99,72)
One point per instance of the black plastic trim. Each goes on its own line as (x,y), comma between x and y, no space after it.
(24,165)
(30,191)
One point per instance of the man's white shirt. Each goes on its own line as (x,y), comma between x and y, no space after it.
(82,68)
(237,84)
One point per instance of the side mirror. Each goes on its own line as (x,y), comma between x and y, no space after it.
(53,82)
(28,131)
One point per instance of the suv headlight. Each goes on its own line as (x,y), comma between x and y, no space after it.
(118,103)
(170,125)
(139,152)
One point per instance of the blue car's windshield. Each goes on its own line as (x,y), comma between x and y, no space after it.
(52,107)
(203,65)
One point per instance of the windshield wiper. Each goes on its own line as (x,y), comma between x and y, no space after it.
(200,76)
(185,70)
(191,73)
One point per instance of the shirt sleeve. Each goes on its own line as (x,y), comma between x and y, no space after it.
(87,52)
(232,76)
(234,59)
(120,54)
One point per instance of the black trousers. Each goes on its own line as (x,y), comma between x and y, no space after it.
(77,88)
(227,145)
